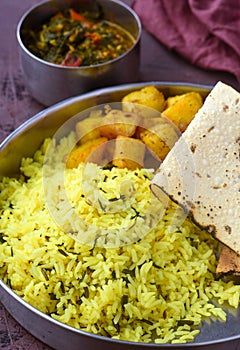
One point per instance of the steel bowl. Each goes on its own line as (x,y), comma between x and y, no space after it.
(50,83)
(23,142)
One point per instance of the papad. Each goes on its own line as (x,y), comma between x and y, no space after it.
(202,170)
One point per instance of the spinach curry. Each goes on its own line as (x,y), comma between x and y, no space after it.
(72,39)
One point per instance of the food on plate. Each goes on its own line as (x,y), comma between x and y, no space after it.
(181,109)
(73,39)
(146,124)
(158,287)
(133,135)
(201,172)
(228,263)
(91,150)
(159,138)
(148,96)
(88,129)
(128,153)
(118,123)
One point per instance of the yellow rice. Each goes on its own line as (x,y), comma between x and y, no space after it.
(157,289)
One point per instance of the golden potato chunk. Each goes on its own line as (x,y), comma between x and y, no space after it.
(117,123)
(159,139)
(148,96)
(146,123)
(182,109)
(91,151)
(173,99)
(88,129)
(129,153)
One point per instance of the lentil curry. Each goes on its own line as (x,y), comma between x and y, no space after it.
(73,39)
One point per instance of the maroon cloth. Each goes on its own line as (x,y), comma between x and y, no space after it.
(205,32)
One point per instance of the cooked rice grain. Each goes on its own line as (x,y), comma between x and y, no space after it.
(160,287)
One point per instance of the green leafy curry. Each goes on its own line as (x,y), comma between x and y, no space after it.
(73,39)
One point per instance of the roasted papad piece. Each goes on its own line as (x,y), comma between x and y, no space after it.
(202,171)
(228,264)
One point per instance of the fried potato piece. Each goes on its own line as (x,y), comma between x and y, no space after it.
(117,123)
(171,100)
(91,151)
(129,153)
(148,96)
(182,109)
(146,123)
(88,129)
(158,147)
(159,139)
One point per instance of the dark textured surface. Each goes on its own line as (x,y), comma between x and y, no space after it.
(16,106)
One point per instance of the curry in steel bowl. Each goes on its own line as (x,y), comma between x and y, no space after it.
(76,46)
(74,39)
(132,292)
